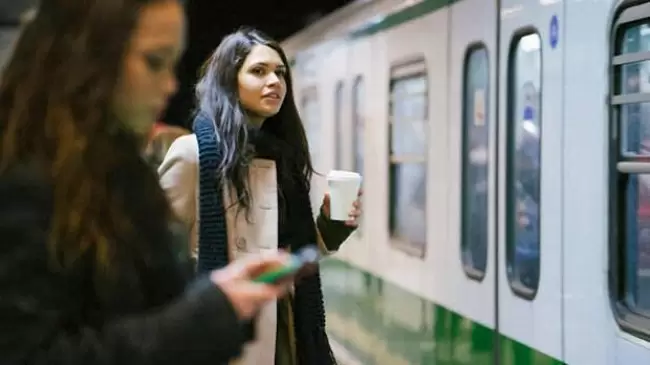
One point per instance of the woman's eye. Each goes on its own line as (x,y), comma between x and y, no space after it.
(258,71)
(155,63)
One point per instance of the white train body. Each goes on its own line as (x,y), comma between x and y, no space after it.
(516,110)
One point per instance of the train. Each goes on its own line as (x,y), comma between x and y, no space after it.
(504,147)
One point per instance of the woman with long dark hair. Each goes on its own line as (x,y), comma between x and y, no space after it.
(91,271)
(241,183)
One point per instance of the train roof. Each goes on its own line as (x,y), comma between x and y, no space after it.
(342,22)
(357,19)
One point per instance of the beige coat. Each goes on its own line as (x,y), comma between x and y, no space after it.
(179,178)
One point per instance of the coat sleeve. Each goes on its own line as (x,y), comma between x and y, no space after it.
(40,311)
(331,234)
(178,177)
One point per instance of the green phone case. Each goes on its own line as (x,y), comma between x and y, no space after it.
(275,275)
(309,254)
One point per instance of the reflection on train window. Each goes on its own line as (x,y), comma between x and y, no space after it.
(632,102)
(338,133)
(408,173)
(476,163)
(637,243)
(524,150)
(634,78)
(357,134)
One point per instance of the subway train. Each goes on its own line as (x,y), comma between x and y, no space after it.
(505,153)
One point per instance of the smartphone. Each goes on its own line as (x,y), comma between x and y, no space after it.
(306,256)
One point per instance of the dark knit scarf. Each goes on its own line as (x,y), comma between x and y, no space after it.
(296,228)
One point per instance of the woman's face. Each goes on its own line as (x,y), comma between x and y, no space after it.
(262,83)
(148,77)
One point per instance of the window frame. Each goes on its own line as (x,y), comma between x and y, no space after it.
(339,89)
(470,271)
(409,68)
(358,115)
(517,289)
(311,94)
(621,167)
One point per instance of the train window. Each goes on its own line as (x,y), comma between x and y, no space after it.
(358,123)
(338,125)
(630,218)
(523,165)
(311,118)
(408,150)
(357,132)
(476,163)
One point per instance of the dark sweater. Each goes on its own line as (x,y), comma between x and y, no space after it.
(68,316)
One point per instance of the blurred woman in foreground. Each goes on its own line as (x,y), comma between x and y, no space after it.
(90,270)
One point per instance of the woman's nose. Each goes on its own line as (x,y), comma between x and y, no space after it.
(272,79)
(171,85)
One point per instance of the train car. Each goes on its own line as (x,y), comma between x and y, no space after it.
(505,152)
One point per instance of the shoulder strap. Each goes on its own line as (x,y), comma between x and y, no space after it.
(213,240)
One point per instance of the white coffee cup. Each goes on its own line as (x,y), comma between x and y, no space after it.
(344,188)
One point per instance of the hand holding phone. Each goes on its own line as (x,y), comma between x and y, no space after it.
(301,260)
(247,297)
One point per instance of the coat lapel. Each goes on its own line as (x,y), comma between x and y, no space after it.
(258,236)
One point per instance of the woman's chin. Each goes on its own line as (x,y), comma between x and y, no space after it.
(269,112)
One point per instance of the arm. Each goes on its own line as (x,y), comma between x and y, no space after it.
(178,177)
(331,234)
(40,307)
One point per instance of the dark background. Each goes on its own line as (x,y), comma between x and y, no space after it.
(211,20)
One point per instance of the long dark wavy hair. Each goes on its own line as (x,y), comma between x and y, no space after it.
(218,100)
(56,98)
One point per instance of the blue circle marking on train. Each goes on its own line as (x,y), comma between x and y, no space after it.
(554,31)
(529,113)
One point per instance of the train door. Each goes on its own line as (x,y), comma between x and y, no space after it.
(334,86)
(309,99)
(352,139)
(472,112)
(618,314)
(589,326)
(530,182)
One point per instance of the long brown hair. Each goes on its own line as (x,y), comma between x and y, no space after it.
(56,95)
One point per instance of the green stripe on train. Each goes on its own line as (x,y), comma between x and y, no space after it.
(404,329)
(400,17)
